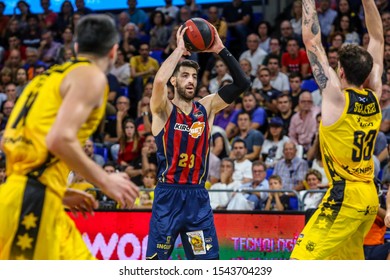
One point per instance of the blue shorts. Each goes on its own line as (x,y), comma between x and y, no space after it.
(184,210)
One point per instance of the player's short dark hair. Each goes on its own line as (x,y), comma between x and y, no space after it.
(186,63)
(96,34)
(357,63)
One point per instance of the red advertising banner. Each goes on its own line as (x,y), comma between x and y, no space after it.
(124,235)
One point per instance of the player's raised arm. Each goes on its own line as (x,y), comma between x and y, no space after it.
(375,46)
(228,93)
(324,75)
(159,99)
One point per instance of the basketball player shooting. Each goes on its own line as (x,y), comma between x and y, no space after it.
(351,117)
(182,130)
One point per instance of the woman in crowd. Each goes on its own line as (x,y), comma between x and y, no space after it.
(130,143)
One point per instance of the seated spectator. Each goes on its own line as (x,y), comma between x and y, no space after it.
(6,110)
(311,200)
(121,68)
(257,114)
(81,8)
(291,168)
(242,166)
(21,80)
(65,14)
(89,149)
(351,36)
(137,16)
(214,18)
(219,200)
(220,142)
(274,50)
(170,11)
(33,62)
(295,81)
(246,198)
(253,138)
(272,150)
(130,143)
(266,95)
(159,32)
(326,16)
(303,126)
(31,36)
(222,75)
(254,54)
(49,49)
(222,117)
(131,42)
(246,66)
(145,199)
(264,30)
(295,60)
(144,121)
(194,8)
(276,201)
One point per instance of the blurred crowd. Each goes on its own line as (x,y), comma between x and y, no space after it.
(265,146)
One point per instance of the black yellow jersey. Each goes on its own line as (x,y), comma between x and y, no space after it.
(347,146)
(24,140)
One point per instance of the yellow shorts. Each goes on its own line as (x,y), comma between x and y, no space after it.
(337,229)
(34,224)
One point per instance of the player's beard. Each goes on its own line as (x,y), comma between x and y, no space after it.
(182,92)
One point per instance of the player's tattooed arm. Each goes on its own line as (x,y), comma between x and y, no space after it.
(318,70)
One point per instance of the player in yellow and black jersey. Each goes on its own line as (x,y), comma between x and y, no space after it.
(43,140)
(351,118)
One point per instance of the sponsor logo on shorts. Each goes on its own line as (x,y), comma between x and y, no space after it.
(197,241)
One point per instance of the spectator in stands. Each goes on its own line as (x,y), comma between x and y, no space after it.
(238,16)
(14,61)
(279,80)
(295,81)
(3,20)
(274,50)
(286,33)
(131,42)
(130,143)
(246,66)
(326,17)
(383,6)
(296,17)
(264,30)
(159,32)
(291,168)
(147,160)
(32,62)
(210,70)
(385,106)
(48,19)
(345,9)
(220,142)
(81,8)
(272,149)
(285,112)
(219,200)
(143,67)
(67,43)
(146,93)
(246,198)
(122,20)
(213,17)
(31,37)
(170,11)
(336,39)
(195,9)
(313,180)
(137,16)
(266,95)
(121,69)
(6,77)
(149,181)
(295,59)
(21,80)
(303,125)
(276,201)
(25,12)
(64,18)
(12,29)
(113,124)
(385,16)
(222,118)
(183,15)
(257,114)
(222,75)
(10,91)
(351,36)
(144,120)
(333,57)
(49,49)
(89,149)
(253,138)
(254,54)
(242,166)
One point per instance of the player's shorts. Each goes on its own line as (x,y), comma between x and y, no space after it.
(34,224)
(184,210)
(338,227)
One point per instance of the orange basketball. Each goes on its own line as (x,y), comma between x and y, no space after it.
(199,36)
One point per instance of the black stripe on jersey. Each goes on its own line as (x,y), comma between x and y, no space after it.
(362,104)
(23,245)
(38,171)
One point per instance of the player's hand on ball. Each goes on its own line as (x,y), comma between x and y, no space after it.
(121,189)
(217,45)
(180,41)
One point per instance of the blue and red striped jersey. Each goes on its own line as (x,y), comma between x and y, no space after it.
(183,147)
